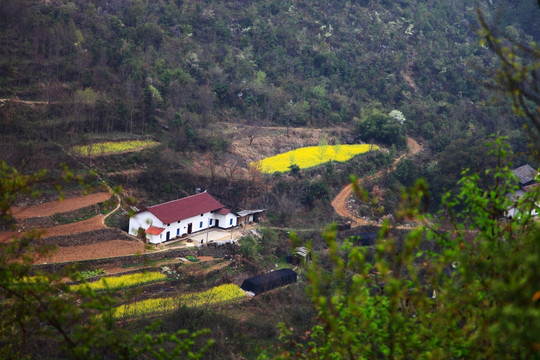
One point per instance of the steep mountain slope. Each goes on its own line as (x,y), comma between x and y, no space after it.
(174,69)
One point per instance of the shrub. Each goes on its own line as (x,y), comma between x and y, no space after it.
(91,273)
(382,128)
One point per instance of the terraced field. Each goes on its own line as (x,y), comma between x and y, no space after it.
(86,244)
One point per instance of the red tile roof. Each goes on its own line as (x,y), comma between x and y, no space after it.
(223,211)
(154,230)
(185,208)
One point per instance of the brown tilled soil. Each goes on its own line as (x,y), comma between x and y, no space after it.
(273,140)
(95,223)
(53,207)
(95,251)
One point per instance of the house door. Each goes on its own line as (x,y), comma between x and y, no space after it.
(217,223)
(168,236)
(189,228)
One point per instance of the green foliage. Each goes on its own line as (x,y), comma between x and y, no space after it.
(269,242)
(382,128)
(250,246)
(91,273)
(14,184)
(517,75)
(465,291)
(192,258)
(315,191)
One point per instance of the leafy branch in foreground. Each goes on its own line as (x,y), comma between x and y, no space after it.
(518,75)
(467,290)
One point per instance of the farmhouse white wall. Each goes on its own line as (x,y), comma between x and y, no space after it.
(225,220)
(144,220)
(181,228)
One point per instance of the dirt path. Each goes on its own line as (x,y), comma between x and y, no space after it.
(53,207)
(28,102)
(340,201)
(407,73)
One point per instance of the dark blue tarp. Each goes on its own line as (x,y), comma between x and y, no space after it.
(269,281)
(365,239)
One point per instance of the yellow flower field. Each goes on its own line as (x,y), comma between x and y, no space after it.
(218,294)
(112,147)
(311,156)
(122,282)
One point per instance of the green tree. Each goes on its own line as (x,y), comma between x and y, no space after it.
(469,290)
(382,128)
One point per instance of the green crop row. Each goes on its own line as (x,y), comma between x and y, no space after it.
(218,294)
(123,281)
(112,147)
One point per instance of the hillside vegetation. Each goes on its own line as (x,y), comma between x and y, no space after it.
(164,97)
(94,70)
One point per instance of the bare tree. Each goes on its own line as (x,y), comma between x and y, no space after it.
(252,132)
(230,164)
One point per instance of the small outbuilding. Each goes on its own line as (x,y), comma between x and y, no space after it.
(299,255)
(249,216)
(269,281)
(525,174)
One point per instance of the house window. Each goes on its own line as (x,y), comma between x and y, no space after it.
(202,214)
(168,224)
(211,220)
(177,231)
(230,222)
(200,224)
(178,221)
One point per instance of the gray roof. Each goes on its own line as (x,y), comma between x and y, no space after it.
(249,212)
(525,174)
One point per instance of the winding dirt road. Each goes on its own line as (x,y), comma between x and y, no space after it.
(340,201)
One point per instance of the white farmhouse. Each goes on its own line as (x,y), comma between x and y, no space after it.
(179,217)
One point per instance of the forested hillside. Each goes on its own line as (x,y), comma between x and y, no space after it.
(174,70)
(144,102)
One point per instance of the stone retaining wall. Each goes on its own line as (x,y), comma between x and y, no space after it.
(35,222)
(85,238)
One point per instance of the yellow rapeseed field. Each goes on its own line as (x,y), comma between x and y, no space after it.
(112,147)
(124,281)
(311,156)
(218,294)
